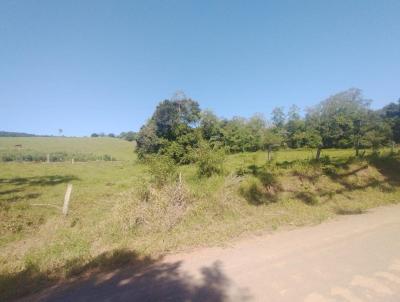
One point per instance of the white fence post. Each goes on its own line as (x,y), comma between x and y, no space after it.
(66,199)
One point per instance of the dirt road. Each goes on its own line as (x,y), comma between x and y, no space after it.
(353,258)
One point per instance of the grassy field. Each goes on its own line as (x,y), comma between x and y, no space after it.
(117,148)
(114,207)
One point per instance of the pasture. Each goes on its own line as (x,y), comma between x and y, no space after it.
(115,207)
(118,149)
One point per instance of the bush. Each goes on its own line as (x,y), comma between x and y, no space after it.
(107,157)
(242,170)
(154,209)
(209,160)
(253,191)
(58,157)
(162,169)
(8,157)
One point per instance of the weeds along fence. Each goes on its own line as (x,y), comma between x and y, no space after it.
(34,156)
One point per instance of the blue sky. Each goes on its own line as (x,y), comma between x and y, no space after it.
(92,66)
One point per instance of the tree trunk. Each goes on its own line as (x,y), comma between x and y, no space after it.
(357,149)
(318,153)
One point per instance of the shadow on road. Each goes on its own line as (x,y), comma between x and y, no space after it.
(124,276)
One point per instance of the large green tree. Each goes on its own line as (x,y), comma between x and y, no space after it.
(170,129)
(295,128)
(391,115)
(336,118)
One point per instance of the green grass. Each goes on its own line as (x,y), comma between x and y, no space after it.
(117,148)
(114,208)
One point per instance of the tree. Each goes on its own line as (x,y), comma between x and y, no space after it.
(129,136)
(256,126)
(334,119)
(170,130)
(236,134)
(375,132)
(148,142)
(278,117)
(210,126)
(295,128)
(270,139)
(294,113)
(391,116)
(171,116)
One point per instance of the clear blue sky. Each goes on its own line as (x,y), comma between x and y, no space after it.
(91,66)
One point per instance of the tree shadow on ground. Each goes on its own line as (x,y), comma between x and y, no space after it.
(388,166)
(307,197)
(20,185)
(15,198)
(264,192)
(122,275)
(345,211)
(339,171)
(48,180)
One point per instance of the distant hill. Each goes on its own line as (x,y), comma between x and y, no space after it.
(15,134)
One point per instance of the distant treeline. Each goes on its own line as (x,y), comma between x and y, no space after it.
(129,136)
(15,134)
(344,120)
(35,156)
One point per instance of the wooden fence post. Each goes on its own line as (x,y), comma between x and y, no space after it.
(66,199)
(269,152)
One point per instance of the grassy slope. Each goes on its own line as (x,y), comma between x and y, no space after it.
(117,148)
(38,245)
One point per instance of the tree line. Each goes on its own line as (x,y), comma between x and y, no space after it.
(178,128)
(130,136)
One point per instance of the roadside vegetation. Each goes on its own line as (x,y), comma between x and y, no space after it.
(196,180)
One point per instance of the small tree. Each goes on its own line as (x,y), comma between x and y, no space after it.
(278,117)
(270,139)
(210,160)
(162,169)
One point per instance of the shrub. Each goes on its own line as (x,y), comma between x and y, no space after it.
(8,157)
(209,160)
(162,169)
(253,191)
(107,157)
(175,151)
(267,177)
(330,170)
(58,157)
(242,170)
(154,209)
